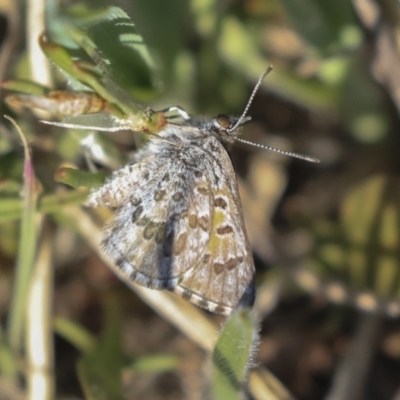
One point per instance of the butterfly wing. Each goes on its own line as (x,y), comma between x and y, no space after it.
(162,216)
(223,276)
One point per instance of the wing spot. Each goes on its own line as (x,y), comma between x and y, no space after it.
(224,230)
(166,178)
(180,243)
(135,201)
(229,265)
(192,221)
(219,202)
(203,190)
(206,258)
(146,175)
(218,268)
(143,221)
(203,223)
(177,196)
(159,195)
(198,174)
(136,214)
(160,236)
(151,230)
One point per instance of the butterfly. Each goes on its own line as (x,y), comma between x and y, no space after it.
(178,222)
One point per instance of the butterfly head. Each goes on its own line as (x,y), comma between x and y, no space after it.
(226,127)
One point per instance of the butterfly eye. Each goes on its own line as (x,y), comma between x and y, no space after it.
(223,122)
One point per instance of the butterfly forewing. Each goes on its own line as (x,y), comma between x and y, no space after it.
(223,276)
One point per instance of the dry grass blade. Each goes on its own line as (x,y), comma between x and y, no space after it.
(39,343)
(40,67)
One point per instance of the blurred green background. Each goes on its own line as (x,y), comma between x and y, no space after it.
(325,236)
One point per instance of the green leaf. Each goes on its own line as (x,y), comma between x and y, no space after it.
(76,334)
(76,178)
(11,208)
(25,86)
(230,358)
(111,39)
(155,363)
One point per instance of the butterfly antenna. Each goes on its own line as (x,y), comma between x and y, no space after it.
(243,119)
(286,153)
(258,84)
